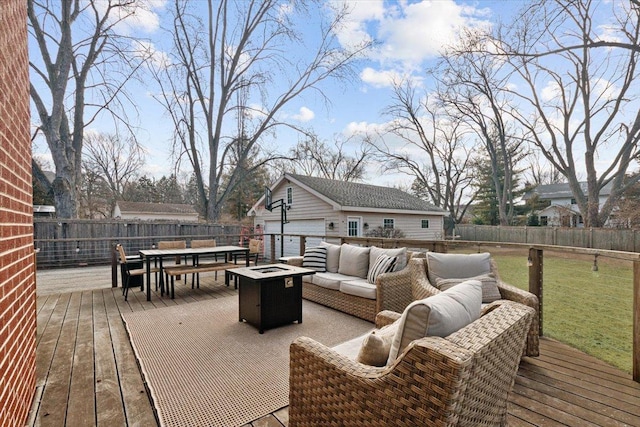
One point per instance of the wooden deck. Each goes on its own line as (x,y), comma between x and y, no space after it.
(87,373)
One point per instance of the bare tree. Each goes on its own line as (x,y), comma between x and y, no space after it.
(79,69)
(234,70)
(313,157)
(113,160)
(433,151)
(472,89)
(579,92)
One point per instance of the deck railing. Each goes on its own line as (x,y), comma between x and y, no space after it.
(534,261)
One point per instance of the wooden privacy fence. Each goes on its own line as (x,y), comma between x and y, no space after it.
(68,243)
(627,240)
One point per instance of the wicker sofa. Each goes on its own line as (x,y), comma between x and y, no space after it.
(462,379)
(351,294)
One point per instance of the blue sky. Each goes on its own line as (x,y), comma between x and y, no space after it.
(410,34)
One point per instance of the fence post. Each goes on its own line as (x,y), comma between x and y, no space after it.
(303,244)
(273,248)
(535,280)
(114,267)
(636,320)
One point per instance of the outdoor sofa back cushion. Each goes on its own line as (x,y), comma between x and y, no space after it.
(354,261)
(457,266)
(439,315)
(490,291)
(315,258)
(333,256)
(401,253)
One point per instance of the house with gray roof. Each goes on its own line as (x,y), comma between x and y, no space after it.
(326,209)
(563,211)
(155,211)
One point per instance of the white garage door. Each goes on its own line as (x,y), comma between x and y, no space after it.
(305,227)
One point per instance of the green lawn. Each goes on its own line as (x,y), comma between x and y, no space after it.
(591,311)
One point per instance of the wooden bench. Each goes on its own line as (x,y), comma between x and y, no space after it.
(179,270)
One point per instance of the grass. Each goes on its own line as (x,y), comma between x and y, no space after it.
(589,310)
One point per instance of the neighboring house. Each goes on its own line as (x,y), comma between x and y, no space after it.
(563,210)
(155,211)
(328,208)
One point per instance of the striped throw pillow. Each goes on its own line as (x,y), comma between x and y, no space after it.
(315,258)
(383,264)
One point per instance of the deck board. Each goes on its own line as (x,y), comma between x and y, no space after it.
(87,373)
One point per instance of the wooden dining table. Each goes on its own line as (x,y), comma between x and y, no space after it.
(156,256)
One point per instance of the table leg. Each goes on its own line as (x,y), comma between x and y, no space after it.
(148,278)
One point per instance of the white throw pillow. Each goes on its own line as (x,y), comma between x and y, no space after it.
(490,291)
(400,253)
(315,258)
(384,264)
(333,256)
(439,315)
(354,261)
(457,266)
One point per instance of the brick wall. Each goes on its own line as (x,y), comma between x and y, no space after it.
(17,275)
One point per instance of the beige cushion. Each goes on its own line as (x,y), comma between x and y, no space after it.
(352,347)
(439,315)
(354,261)
(460,266)
(374,350)
(359,288)
(490,291)
(333,256)
(328,280)
(400,253)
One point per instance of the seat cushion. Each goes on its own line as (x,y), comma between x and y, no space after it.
(354,260)
(328,280)
(315,258)
(333,256)
(457,266)
(401,253)
(439,315)
(359,288)
(490,291)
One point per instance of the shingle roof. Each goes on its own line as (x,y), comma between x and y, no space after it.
(561,191)
(365,195)
(156,208)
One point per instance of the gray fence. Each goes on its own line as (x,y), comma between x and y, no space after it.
(594,238)
(66,243)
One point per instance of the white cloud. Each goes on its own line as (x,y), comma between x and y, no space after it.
(305,115)
(362,128)
(147,50)
(550,91)
(140,16)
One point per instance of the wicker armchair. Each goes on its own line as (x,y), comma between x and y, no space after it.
(421,288)
(463,379)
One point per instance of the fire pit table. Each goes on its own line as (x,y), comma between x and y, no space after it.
(270,295)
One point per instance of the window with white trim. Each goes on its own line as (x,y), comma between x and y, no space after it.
(425,223)
(289,196)
(388,223)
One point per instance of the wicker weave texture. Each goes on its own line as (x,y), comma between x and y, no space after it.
(464,379)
